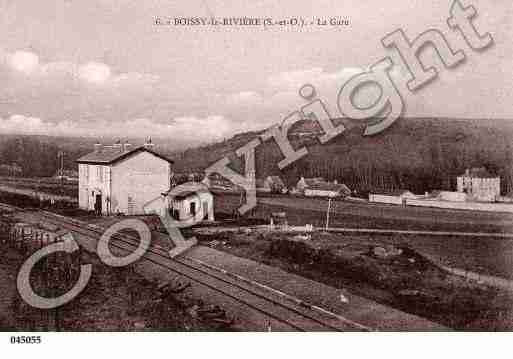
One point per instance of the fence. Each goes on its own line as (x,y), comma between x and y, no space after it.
(475,206)
(53,274)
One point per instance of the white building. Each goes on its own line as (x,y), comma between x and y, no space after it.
(394,197)
(305,183)
(479,185)
(119,179)
(318,187)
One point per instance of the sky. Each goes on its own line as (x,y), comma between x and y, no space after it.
(103,68)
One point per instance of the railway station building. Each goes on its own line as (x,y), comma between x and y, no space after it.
(121,179)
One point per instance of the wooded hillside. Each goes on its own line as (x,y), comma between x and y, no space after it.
(418,154)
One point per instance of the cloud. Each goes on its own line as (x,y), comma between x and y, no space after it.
(280,93)
(191,129)
(284,87)
(80,92)
(316,76)
(25,124)
(294,79)
(92,99)
(23,61)
(57,68)
(94,72)
(245,98)
(211,127)
(134,78)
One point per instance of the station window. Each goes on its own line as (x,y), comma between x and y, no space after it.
(99,173)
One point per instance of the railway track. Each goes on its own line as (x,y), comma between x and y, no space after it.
(291,312)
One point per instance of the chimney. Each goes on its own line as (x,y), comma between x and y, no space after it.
(127,147)
(149,145)
(98,147)
(118,146)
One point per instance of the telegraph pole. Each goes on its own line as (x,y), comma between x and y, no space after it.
(60,158)
(328,213)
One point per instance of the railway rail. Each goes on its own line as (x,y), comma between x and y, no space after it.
(291,312)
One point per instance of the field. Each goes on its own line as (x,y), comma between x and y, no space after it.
(386,271)
(487,255)
(45,184)
(301,211)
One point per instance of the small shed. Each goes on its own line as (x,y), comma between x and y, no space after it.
(189,204)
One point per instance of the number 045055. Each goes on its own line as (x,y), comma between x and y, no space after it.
(35,339)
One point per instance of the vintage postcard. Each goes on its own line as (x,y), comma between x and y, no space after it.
(263,166)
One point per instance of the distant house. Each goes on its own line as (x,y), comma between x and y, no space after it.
(318,187)
(12,170)
(304,183)
(67,175)
(479,185)
(276,184)
(271,184)
(119,179)
(394,197)
(215,181)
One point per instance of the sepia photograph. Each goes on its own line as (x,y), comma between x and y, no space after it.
(219,166)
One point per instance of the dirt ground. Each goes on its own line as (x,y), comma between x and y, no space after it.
(114,300)
(376,269)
